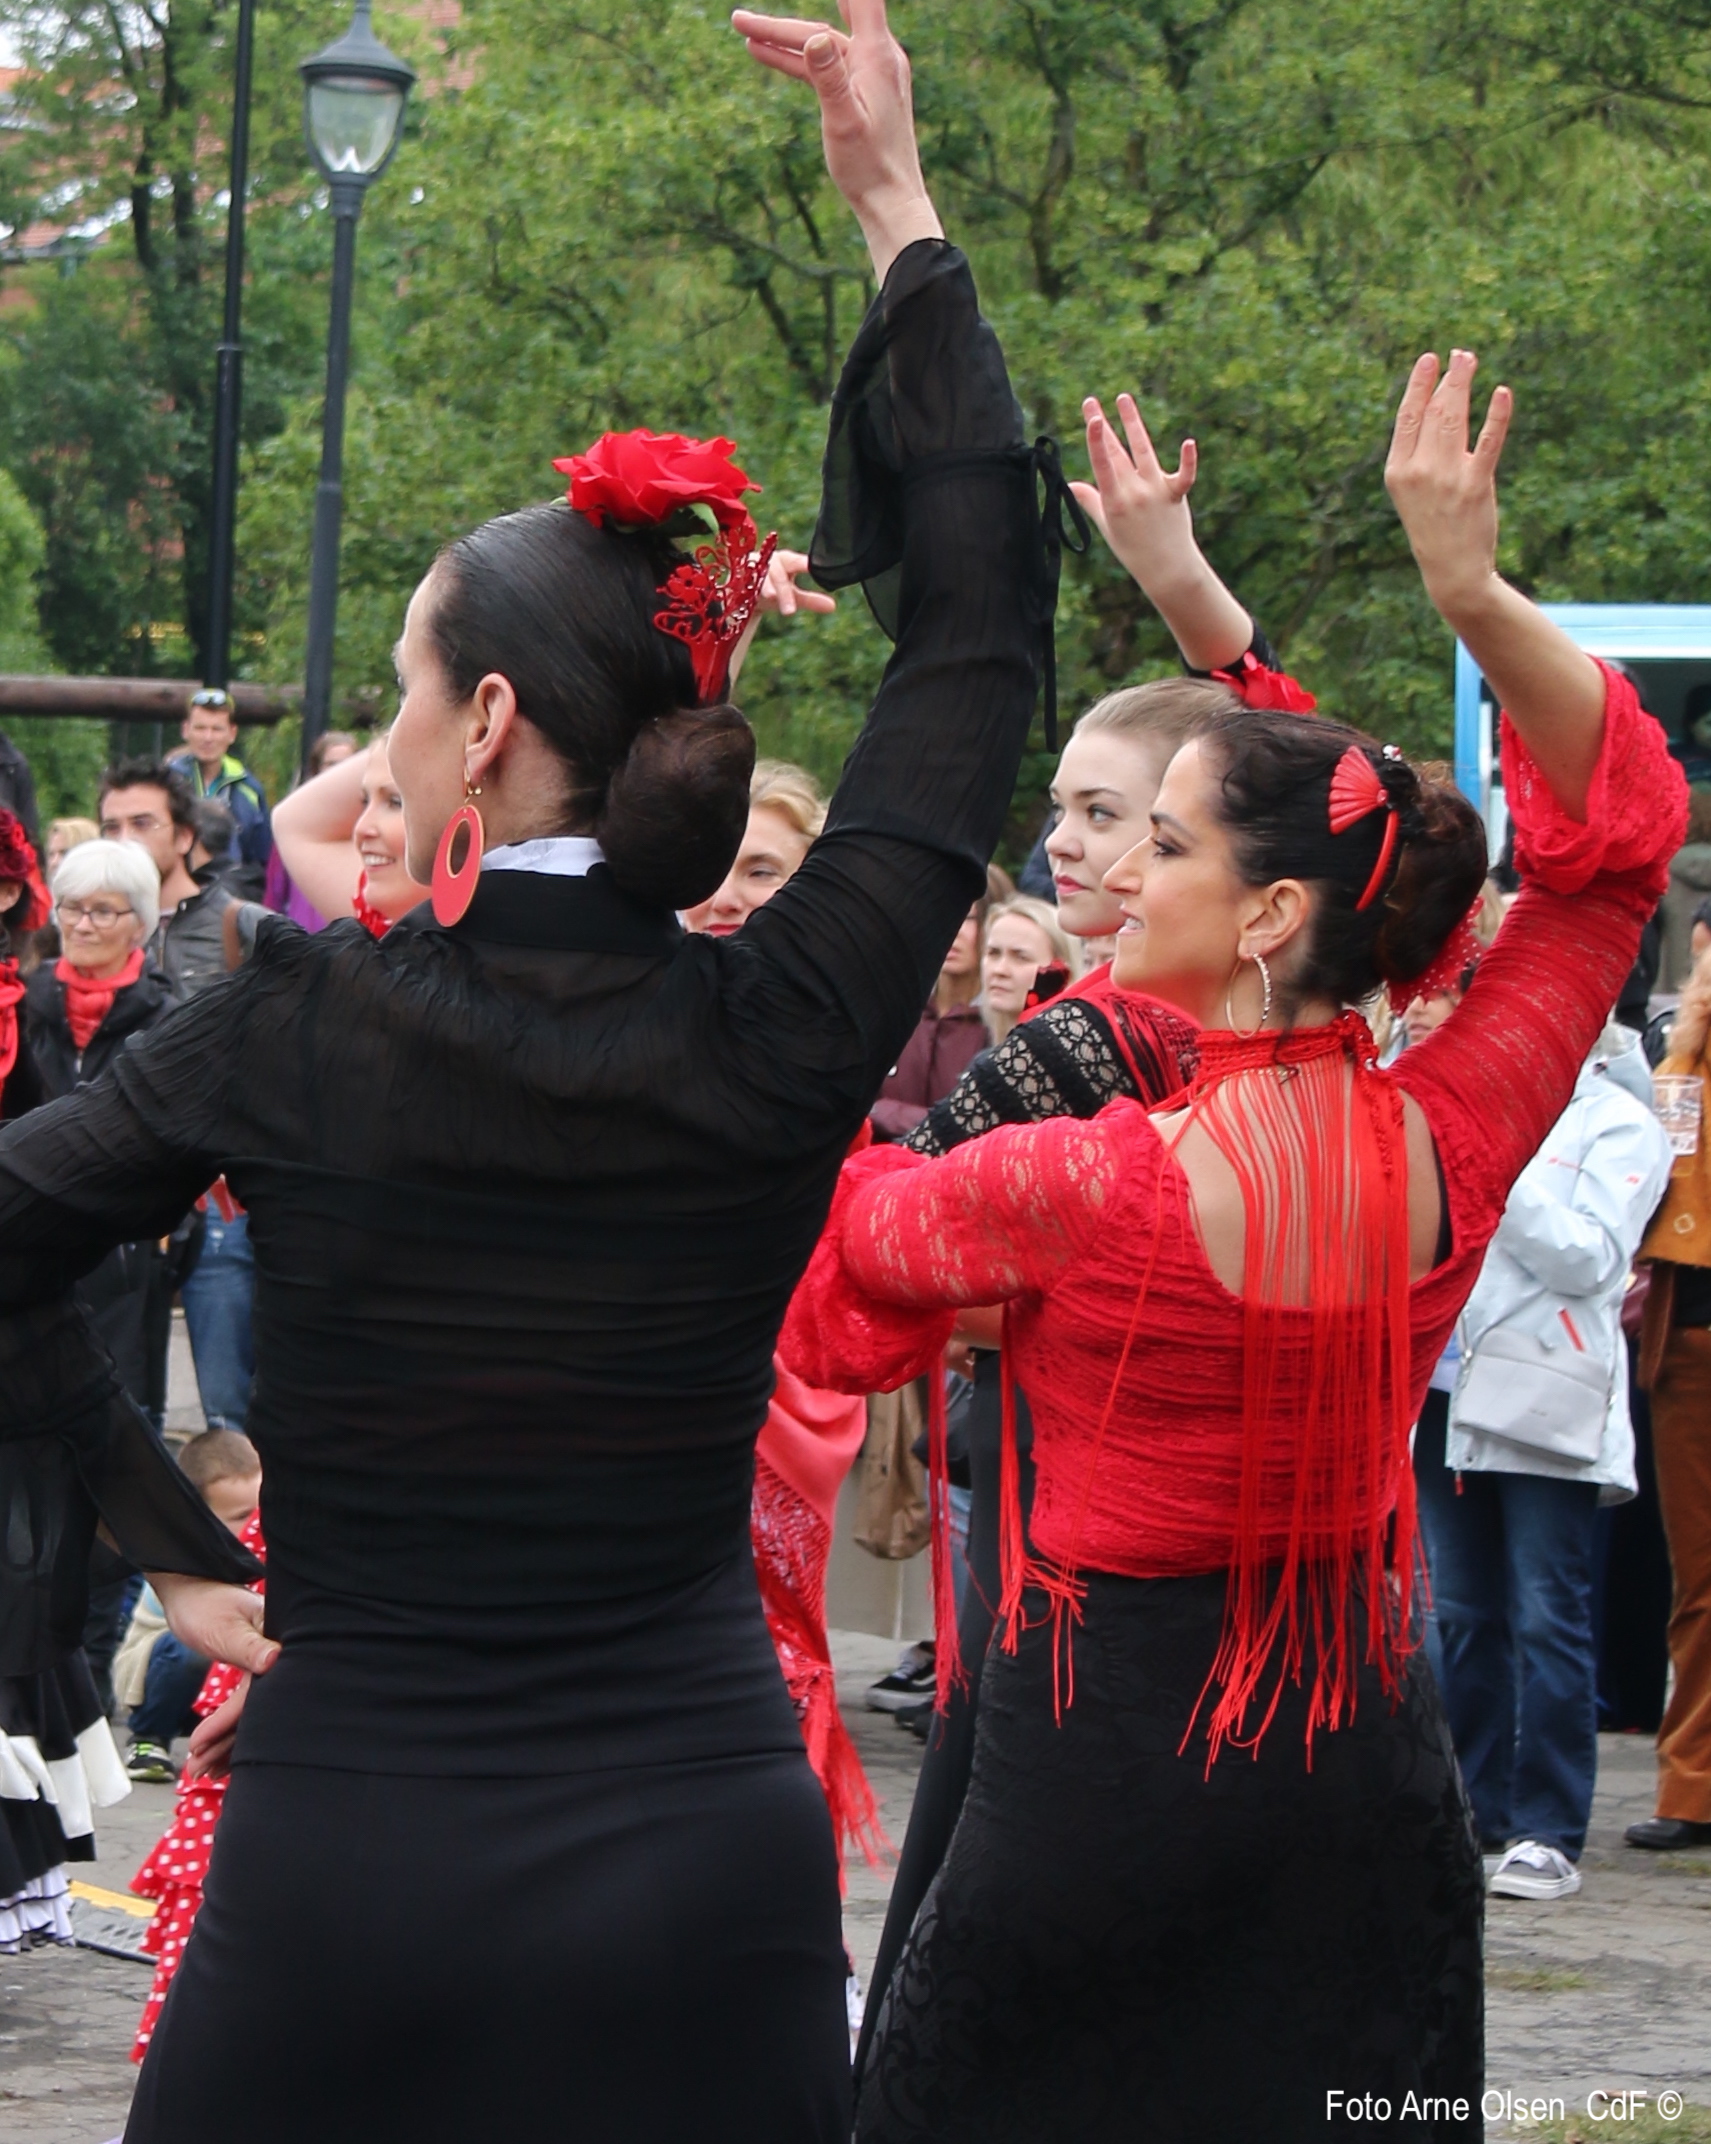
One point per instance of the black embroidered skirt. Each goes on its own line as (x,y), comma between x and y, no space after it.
(1119,1947)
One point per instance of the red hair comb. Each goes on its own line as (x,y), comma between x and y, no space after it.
(1356,792)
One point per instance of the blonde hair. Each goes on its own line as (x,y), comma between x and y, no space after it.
(1169,711)
(71,834)
(791,791)
(1044,918)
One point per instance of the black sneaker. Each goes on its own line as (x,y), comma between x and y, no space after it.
(916,1720)
(913,1678)
(1668,1834)
(150,1766)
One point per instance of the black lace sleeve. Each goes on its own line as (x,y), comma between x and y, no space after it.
(1064,1062)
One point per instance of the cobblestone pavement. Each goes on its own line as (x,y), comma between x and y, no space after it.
(1608,1990)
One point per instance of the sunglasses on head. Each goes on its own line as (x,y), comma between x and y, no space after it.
(212,696)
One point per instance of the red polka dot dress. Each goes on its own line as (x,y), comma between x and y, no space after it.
(174,1873)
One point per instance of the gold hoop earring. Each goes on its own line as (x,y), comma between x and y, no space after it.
(1259,961)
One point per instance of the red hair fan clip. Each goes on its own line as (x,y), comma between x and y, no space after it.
(1356,792)
(1273,690)
(647,479)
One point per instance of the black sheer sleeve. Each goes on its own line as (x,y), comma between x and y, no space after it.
(929,500)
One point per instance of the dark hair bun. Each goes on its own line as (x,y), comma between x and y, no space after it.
(1443,862)
(1274,797)
(676,806)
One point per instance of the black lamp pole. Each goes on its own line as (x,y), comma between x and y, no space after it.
(229,378)
(329,492)
(353,113)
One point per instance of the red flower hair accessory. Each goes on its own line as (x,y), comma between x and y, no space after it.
(644,479)
(18,867)
(639,479)
(1357,791)
(1259,687)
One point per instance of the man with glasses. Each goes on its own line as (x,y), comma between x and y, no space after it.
(209,763)
(149,802)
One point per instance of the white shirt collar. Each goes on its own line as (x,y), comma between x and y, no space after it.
(553,855)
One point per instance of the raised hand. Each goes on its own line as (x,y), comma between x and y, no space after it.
(867,118)
(780,595)
(1445,495)
(1143,514)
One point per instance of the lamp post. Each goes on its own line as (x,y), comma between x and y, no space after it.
(354,94)
(228,387)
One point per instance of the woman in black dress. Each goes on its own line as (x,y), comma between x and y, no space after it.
(521,1838)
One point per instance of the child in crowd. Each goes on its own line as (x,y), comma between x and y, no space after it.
(154,1673)
(173,1874)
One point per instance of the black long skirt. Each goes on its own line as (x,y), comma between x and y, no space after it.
(645,1956)
(1118,1947)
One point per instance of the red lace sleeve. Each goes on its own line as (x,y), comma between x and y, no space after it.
(1499,1072)
(909,1238)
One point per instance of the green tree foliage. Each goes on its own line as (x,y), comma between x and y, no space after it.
(1251,213)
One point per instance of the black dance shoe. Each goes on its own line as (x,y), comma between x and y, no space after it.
(1667,1834)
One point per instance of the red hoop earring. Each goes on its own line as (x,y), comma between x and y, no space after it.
(454,885)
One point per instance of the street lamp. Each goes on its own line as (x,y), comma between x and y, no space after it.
(354,94)
(228,379)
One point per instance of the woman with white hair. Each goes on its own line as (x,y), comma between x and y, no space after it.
(79,1012)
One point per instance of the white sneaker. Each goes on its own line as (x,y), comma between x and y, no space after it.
(1530,1870)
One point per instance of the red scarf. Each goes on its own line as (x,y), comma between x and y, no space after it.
(11,990)
(366,913)
(89,998)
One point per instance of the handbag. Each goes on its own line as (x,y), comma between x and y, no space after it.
(893,1520)
(1552,1400)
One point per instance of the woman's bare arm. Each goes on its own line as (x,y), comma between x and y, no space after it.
(1447,499)
(313,829)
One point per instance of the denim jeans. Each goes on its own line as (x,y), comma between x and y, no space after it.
(1510,1558)
(218,1298)
(175,1675)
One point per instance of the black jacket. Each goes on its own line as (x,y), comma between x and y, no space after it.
(128,1295)
(60,1066)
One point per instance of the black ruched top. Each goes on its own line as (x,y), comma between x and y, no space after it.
(529,1195)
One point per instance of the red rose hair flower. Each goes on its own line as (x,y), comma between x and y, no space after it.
(639,479)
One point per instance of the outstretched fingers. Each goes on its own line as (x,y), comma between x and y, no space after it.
(1448,411)
(1411,410)
(1140,439)
(1495,430)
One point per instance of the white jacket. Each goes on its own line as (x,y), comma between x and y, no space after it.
(1563,1252)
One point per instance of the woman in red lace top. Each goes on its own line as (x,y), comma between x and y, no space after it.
(1215,1865)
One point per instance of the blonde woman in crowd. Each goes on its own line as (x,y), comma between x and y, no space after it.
(786,813)
(1022,937)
